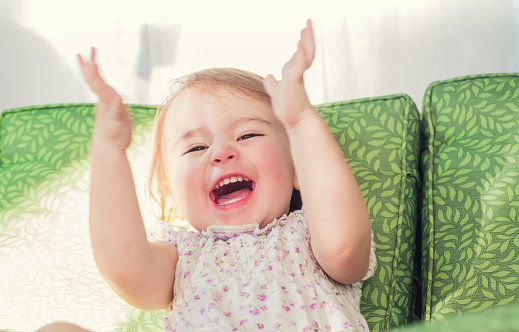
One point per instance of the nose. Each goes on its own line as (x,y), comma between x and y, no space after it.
(223,154)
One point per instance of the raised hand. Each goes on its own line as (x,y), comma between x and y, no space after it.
(289,98)
(113,124)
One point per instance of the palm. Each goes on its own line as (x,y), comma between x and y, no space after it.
(113,124)
(289,98)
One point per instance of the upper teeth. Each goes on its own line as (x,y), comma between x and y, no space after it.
(230,180)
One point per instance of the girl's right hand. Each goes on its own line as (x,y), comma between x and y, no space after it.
(289,98)
(113,125)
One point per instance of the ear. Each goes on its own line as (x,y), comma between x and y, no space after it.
(296,182)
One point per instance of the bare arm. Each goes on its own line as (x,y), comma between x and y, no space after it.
(142,273)
(336,212)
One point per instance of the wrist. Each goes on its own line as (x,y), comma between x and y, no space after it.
(100,145)
(109,142)
(307,117)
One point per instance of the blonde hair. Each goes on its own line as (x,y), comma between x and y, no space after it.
(204,81)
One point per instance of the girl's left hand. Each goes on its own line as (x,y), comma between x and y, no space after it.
(113,125)
(289,98)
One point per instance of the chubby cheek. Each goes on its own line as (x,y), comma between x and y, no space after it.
(186,183)
(278,167)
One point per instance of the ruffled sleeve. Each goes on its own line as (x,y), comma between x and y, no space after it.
(160,230)
(372,260)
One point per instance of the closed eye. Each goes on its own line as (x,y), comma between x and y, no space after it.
(247,136)
(196,148)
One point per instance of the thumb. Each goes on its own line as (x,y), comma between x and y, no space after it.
(270,84)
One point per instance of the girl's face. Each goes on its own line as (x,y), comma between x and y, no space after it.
(227,158)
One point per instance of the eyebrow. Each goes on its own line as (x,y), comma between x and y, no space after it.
(240,121)
(203,130)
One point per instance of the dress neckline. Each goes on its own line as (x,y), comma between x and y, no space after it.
(224,232)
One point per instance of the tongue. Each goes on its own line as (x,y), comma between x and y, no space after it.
(232,195)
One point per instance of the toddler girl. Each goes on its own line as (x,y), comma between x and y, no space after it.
(231,151)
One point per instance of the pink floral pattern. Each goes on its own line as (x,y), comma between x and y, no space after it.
(243,278)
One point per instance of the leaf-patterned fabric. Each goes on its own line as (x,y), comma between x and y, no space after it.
(46,263)
(47,267)
(499,319)
(380,139)
(470,195)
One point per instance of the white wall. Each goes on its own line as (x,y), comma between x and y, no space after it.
(365,48)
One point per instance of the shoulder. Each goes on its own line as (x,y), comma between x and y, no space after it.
(291,228)
(162,231)
(296,222)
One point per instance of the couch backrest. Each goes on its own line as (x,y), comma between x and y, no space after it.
(46,263)
(470,228)
(44,175)
(380,140)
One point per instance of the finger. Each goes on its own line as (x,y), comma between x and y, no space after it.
(310,39)
(96,82)
(308,43)
(304,55)
(297,65)
(93,55)
(94,79)
(92,58)
(270,84)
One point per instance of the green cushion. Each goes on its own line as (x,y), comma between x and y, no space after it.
(499,319)
(46,261)
(380,139)
(470,161)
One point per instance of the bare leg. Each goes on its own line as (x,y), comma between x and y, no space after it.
(61,327)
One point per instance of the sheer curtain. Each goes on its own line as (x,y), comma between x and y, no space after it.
(402,46)
(364,48)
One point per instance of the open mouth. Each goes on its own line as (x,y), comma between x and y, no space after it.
(231,190)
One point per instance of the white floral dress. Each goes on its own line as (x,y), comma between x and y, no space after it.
(243,278)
